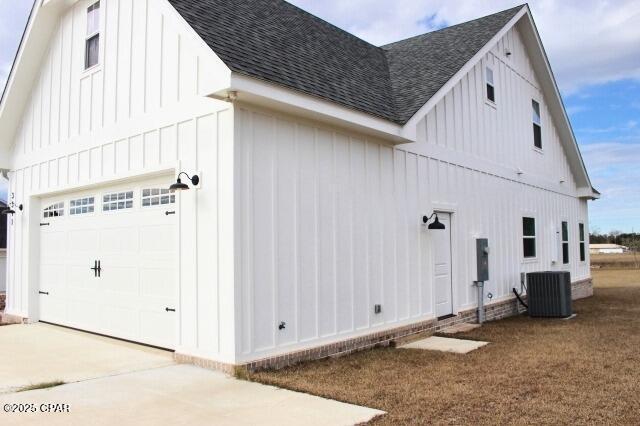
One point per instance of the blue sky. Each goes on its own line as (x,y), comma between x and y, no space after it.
(593,46)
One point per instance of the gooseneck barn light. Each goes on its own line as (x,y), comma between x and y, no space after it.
(8,211)
(436,224)
(179,186)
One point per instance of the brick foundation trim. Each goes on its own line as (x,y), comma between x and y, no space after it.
(581,289)
(3,300)
(205,363)
(493,311)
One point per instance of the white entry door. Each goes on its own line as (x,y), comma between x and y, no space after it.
(442,267)
(108,261)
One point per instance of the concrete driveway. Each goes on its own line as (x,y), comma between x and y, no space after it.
(113,382)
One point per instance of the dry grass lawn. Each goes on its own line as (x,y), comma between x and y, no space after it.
(584,370)
(616,261)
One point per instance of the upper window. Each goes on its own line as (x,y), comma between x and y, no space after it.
(529,237)
(81,206)
(537,124)
(491,91)
(117,201)
(157,196)
(92,41)
(54,210)
(583,254)
(565,242)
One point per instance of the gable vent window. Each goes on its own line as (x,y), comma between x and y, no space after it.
(583,254)
(117,201)
(54,210)
(81,206)
(565,243)
(92,41)
(529,237)
(491,91)
(157,196)
(537,126)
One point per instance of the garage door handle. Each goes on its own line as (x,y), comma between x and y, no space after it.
(169,309)
(46,293)
(45,224)
(168,212)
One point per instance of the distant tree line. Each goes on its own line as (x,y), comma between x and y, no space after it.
(627,239)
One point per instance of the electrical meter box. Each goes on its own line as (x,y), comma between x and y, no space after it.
(482,253)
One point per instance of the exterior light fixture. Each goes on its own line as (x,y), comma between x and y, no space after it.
(436,224)
(8,211)
(179,186)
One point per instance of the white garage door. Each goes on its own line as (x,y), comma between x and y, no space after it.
(108,261)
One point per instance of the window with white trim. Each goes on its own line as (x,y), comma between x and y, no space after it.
(54,210)
(537,124)
(529,237)
(92,40)
(583,253)
(491,91)
(565,243)
(117,201)
(81,206)
(157,196)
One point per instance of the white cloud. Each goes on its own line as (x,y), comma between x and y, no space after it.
(588,41)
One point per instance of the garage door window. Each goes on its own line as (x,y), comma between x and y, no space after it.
(54,210)
(156,197)
(81,206)
(117,201)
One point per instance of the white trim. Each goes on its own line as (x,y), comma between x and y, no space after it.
(279,98)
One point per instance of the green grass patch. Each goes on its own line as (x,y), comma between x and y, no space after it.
(45,385)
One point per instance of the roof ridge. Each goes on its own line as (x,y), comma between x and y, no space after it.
(385,46)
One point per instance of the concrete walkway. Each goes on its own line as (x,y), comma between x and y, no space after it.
(112,382)
(445,344)
(40,353)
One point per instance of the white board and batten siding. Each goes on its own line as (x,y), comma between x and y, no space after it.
(140,113)
(330,221)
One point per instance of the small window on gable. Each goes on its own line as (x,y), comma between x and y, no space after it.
(529,237)
(491,91)
(54,210)
(92,41)
(117,201)
(565,243)
(583,254)
(537,124)
(81,206)
(157,196)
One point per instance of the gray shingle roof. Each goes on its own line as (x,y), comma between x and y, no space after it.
(277,42)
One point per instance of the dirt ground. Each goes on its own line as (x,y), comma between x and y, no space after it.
(542,371)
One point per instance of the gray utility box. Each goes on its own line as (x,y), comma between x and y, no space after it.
(482,254)
(549,294)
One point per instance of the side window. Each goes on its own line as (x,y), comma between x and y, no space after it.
(157,196)
(92,40)
(54,210)
(529,237)
(117,201)
(491,91)
(583,255)
(81,206)
(537,124)
(565,242)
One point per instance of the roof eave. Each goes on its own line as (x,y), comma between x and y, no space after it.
(254,91)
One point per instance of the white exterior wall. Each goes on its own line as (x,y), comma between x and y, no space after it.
(141,111)
(329,221)
(3,270)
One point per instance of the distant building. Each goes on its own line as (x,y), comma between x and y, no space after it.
(607,249)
